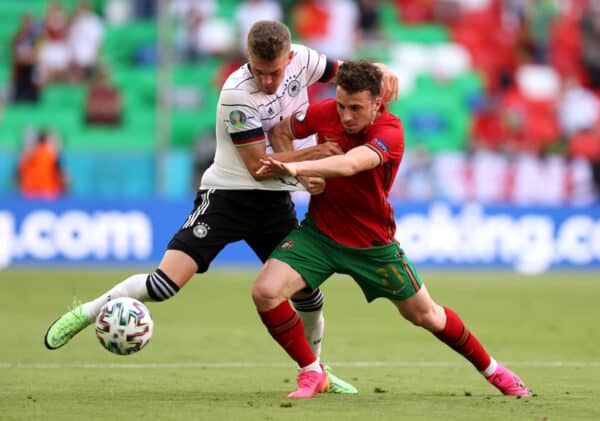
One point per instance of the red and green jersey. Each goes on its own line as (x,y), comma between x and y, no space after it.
(354,211)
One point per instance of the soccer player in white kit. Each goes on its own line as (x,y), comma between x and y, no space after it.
(233,202)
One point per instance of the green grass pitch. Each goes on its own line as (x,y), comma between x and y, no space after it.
(211,359)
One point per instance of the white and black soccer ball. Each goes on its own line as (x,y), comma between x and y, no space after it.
(124,326)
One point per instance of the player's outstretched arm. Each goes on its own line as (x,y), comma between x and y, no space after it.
(358,159)
(253,152)
(282,135)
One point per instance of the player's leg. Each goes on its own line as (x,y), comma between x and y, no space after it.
(299,261)
(156,286)
(273,223)
(386,272)
(174,271)
(188,252)
(307,303)
(273,226)
(309,306)
(446,325)
(275,284)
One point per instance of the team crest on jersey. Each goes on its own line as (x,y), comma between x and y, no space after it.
(237,118)
(201,230)
(293,88)
(300,116)
(381,144)
(287,245)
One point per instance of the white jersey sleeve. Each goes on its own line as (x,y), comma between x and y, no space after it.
(315,63)
(239,116)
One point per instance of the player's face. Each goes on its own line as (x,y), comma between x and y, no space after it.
(269,74)
(357,111)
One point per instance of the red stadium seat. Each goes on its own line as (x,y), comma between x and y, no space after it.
(565,47)
(415,11)
(532,125)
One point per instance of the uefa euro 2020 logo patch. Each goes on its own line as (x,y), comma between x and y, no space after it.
(381,144)
(237,118)
(300,116)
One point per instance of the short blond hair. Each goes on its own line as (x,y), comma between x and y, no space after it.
(268,39)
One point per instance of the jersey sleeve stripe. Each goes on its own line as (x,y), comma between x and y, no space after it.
(307,66)
(377,151)
(239,105)
(249,142)
(331,68)
(248,136)
(292,118)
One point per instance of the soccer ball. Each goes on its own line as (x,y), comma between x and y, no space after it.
(124,326)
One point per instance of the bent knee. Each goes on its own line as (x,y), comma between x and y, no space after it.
(263,291)
(429,320)
(267,293)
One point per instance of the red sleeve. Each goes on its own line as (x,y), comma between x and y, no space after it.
(387,142)
(305,123)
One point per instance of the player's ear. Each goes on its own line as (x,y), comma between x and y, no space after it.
(378,102)
(290,56)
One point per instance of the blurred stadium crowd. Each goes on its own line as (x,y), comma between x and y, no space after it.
(500,99)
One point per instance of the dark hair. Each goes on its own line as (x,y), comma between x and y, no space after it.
(356,76)
(268,39)
(43,135)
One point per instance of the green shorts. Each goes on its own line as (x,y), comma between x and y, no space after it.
(379,271)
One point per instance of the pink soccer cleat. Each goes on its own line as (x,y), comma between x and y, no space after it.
(310,383)
(508,382)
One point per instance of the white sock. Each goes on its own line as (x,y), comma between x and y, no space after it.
(315,366)
(314,325)
(490,368)
(134,287)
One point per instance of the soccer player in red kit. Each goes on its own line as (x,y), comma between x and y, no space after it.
(350,229)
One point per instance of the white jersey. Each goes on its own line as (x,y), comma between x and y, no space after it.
(245,114)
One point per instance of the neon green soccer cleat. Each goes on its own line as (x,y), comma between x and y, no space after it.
(338,385)
(65,327)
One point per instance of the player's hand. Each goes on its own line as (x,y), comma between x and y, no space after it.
(389,83)
(329,149)
(273,167)
(313,185)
